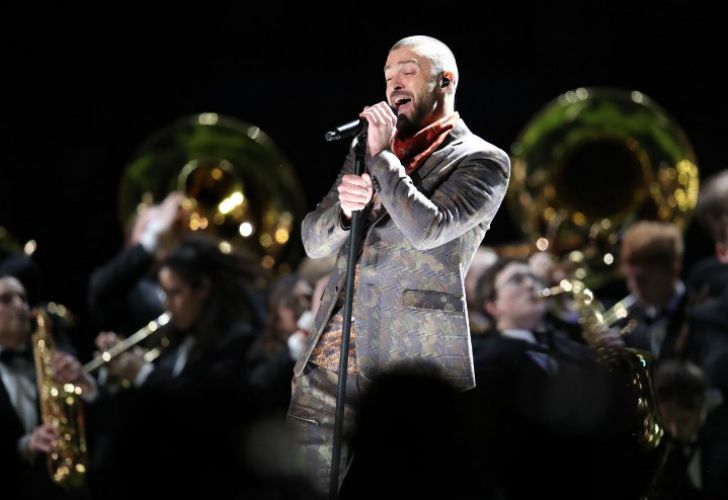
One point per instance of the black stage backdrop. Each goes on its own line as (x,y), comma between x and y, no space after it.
(82,88)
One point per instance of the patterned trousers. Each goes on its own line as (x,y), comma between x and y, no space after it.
(311,419)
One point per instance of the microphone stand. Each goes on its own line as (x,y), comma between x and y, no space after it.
(354,243)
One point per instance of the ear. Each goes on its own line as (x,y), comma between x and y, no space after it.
(491,308)
(447,80)
(721,251)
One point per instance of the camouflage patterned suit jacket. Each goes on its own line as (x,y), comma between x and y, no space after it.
(410,304)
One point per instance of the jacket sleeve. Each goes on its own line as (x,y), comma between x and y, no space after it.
(323,230)
(110,284)
(469,196)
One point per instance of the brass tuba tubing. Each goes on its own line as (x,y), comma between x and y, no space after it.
(126,344)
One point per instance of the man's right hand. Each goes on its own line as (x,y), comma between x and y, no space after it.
(127,364)
(355,192)
(42,439)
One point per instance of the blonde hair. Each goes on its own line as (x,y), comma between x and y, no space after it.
(649,242)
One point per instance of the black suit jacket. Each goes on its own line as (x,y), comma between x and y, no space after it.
(123,293)
(11,430)
(181,435)
(551,434)
(21,479)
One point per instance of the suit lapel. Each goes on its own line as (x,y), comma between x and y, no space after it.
(8,415)
(429,166)
(434,161)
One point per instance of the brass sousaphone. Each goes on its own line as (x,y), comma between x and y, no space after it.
(588,165)
(592,162)
(239,186)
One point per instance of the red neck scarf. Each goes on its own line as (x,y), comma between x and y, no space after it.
(413,151)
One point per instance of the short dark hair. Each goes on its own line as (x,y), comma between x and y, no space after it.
(485,289)
(681,382)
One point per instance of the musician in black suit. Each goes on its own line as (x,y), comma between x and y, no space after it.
(184,412)
(651,260)
(124,293)
(543,401)
(694,464)
(24,439)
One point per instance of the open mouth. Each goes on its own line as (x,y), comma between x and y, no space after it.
(399,101)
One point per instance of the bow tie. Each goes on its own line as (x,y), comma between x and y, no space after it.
(10,356)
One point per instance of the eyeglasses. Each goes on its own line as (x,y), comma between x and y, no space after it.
(518,278)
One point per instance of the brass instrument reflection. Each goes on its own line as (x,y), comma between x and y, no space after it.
(591,163)
(238,186)
(61,407)
(152,328)
(632,365)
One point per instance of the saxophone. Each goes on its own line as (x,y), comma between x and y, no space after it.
(61,407)
(632,367)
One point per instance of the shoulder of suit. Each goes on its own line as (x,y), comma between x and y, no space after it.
(476,144)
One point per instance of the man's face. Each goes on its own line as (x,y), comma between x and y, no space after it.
(682,423)
(721,247)
(411,89)
(182,301)
(517,304)
(14,318)
(653,284)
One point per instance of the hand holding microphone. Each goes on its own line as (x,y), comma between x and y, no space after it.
(382,122)
(355,192)
(379,121)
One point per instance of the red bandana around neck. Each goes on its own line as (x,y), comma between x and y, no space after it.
(413,151)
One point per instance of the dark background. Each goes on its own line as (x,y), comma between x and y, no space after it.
(82,88)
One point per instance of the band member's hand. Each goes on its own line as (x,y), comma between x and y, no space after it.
(611,338)
(106,340)
(42,439)
(603,337)
(127,365)
(354,193)
(380,131)
(67,370)
(165,220)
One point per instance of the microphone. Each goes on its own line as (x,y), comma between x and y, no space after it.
(349,129)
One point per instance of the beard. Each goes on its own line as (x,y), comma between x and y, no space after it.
(409,126)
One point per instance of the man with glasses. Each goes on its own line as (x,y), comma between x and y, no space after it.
(24,439)
(536,391)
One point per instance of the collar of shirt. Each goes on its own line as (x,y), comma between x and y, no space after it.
(652,312)
(525,335)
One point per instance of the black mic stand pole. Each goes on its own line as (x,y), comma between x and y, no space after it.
(354,242)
